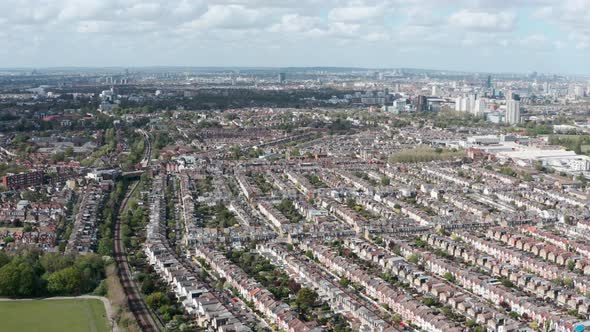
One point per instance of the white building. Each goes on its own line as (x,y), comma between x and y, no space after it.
(512,111)
(479,107)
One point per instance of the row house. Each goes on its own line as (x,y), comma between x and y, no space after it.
(344,212)
(249,191)
(84,236)
(356,182)
(409,309)
(470,206)
(490,289)
(443,175)
(435,286)
(547,251)
(191,293)
(278,312)
(339,299)
(189,290)
(537,286)
(276,218)
(300,182)
(544,269)
(562,198)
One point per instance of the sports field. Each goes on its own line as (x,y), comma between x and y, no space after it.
(76,315)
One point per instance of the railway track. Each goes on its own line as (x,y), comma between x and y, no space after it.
(135,301)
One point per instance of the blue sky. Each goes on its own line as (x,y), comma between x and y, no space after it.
(473,35)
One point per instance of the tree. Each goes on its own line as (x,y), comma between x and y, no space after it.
(571,265)
(18,278)
(4,259)
(413,258)
(69,152)
(449,277)
(306,298)
(157,300)
(53,262)
(344,282)
(66,281)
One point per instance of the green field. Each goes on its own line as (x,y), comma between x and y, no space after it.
(80,315)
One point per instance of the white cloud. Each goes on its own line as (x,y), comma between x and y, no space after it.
(483,21)
(356,13)
(296,23)
(230,17)
(215,29)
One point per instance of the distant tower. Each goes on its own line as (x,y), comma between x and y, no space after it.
(512,111)
(282,77)
(489,82)
(421,104)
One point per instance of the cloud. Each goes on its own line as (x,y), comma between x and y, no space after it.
(230,17)
(483,21)
(296,23)
(244,32)
(356,13)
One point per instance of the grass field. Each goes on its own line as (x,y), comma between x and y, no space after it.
(80,315)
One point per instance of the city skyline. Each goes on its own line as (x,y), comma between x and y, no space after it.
(466,35)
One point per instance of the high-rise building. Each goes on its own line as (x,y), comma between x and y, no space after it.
(489,82)
(479,107)
(458,104)
(421,103)
(282,77)
(434,90)
(471,103)
(512,111)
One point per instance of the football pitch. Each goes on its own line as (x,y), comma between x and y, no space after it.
(83,315)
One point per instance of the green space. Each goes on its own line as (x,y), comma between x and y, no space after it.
(315,181)
(217,216)
(577,143)
(83,315)
(260,182)
(288,210)
(425,155)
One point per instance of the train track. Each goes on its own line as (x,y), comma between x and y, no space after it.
(135,301)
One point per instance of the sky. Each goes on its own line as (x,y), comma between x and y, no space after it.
(548,36)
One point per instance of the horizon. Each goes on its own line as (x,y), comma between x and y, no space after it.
(283,68)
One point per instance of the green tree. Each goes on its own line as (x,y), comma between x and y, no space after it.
(66,281)
(449,277)
(344,282)
(18,278)
(157,300)
(53,262)
(4,259)
(306,298)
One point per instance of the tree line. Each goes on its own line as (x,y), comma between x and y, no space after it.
(34,273)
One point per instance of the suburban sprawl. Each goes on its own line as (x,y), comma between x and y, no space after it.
(299,199)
